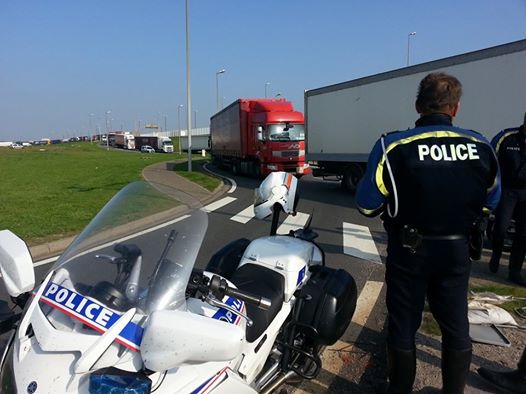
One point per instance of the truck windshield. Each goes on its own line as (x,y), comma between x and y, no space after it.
(286,132)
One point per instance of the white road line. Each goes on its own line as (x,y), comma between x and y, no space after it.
(293,223)
(358,242)
(245,215)
(46,261)
(159,226)
(232,182)
(332,362)
(218,204)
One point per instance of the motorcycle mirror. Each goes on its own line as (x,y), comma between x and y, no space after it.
(16,264)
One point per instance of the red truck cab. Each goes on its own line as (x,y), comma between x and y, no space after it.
(259,136)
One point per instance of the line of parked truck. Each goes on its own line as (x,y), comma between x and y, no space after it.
(146,143)
(342,121)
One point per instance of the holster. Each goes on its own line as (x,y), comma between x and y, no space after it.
(476,238)
(411,238)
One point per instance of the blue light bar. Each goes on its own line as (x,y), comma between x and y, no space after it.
(116,381)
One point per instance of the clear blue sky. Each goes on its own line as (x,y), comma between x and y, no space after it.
(62,60)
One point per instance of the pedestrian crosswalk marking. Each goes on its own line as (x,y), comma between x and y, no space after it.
(293,223)
(358,242)
(245,215)
(218,204)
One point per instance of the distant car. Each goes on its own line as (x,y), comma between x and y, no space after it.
(147,149)
(15,146)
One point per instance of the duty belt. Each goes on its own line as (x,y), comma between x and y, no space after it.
(450,237)
(412,238)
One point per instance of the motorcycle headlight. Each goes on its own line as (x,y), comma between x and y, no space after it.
(113,380)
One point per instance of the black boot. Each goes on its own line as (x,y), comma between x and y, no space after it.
(512,382)
(401,370)
(455,369)
(517,254)
(494,264)
(496,247)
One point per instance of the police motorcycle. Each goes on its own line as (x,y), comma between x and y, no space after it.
(126,310)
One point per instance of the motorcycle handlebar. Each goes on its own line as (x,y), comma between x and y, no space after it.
(260,302)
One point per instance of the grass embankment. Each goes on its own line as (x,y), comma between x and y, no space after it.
(430,326)
(198,174)
(54,191)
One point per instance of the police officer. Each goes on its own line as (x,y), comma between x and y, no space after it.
(511,151)
(430,183)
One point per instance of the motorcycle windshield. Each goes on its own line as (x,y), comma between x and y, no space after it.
(138,252)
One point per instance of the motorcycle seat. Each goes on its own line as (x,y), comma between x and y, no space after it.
(264,282)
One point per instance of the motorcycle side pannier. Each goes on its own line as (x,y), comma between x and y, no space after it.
(328,304)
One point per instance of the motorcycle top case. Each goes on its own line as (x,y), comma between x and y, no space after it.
(328,304)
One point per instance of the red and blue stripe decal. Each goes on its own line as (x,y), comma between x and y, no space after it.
(301,275)
(91,313)
(212,383)
(228,316)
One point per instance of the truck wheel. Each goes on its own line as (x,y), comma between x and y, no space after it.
(255,169)
(351,177)
(235,168)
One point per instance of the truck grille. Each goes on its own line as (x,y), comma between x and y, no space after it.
(288,153)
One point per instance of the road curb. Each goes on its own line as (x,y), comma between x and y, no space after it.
(55,248)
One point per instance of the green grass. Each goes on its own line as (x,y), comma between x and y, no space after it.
(53,191)
(430,326)
(499,289)
(198,174)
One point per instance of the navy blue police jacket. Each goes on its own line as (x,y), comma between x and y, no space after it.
(510,145)
(445,178)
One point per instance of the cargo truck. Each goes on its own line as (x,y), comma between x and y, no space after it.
(123,141)
(259,136)
(199,143)
(344,120)
(160,144)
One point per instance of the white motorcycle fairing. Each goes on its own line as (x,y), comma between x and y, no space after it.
(124,309)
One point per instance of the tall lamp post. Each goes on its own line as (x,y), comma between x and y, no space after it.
(165,129)
(188,94)
(195,118)
(91,115)
(179,124)
(266,85)
(409,44)
(107,132)
(222,71)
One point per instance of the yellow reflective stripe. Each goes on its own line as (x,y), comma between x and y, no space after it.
(430,134)
(368,211)
(495,183)
(486,211)
(503,137)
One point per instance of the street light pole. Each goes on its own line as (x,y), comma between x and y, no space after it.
(165,129)
(195,118)
(222,71)
(179,124)
(188,94)
(266,84)
(409,43)
(91,115)
(107,132)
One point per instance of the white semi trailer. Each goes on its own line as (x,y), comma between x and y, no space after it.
(344,120)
